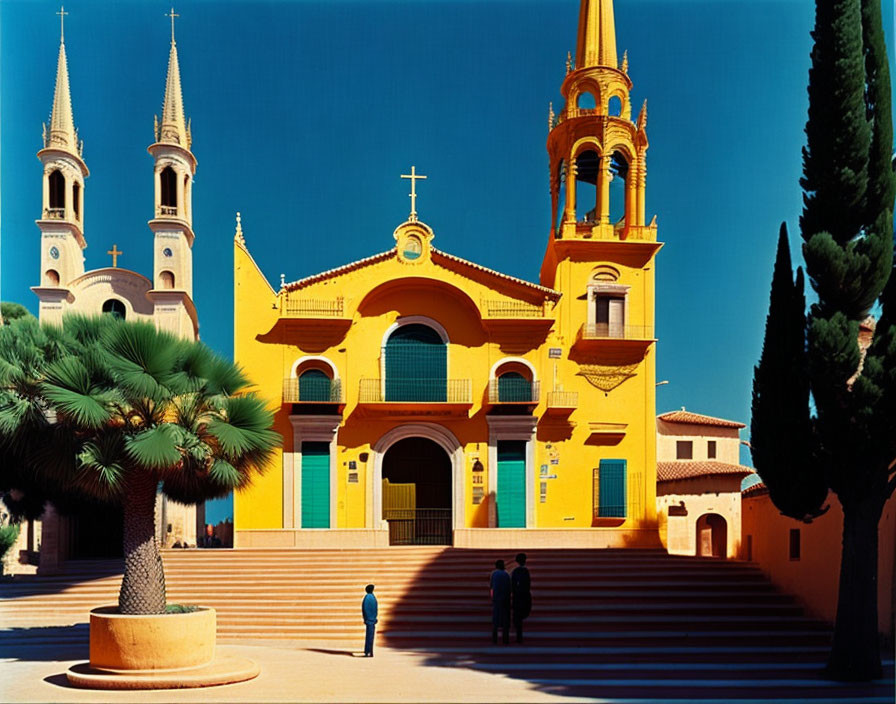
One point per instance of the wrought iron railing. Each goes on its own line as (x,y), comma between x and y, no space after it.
(563,399)
(297,390)
(420,390)
(54,213)
(511,309)
(419,526)
(167,210)
(513,391)
(614,331)
(315,307)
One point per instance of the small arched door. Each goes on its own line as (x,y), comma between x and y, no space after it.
(416,365)
(712,536)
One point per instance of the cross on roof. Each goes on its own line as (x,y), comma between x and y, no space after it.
(114,252)
(62,13)
(413,176)
(172,15)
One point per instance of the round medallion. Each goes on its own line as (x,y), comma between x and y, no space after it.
(167,252)
(412,247)
(54,252)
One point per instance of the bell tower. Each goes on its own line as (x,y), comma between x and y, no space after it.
(172,224)
(62,212)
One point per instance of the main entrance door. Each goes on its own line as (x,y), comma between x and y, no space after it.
(417,493)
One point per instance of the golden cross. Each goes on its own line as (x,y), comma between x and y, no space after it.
(172,15)
(114,252)
(62,13)
(413,176)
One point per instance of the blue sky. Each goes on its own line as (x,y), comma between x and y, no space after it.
(304,114)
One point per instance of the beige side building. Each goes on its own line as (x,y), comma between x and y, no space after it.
(698,479)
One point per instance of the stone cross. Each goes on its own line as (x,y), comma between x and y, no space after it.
(62,13)
(114,252)
(172,15)
(413,176)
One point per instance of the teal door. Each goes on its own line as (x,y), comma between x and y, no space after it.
(416,365)
(611,501)
(314,385)
(511,505)
(514,387)
(315,485)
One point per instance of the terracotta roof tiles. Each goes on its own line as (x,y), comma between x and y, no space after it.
(684,416)
(691,469)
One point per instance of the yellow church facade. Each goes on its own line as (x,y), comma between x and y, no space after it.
(425,399)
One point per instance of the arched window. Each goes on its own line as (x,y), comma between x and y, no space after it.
(513,387)
(76,199)
(51,276)
(315,386)
(586,101)
(614,106)
(57,189)
(587,168)
(115,308)
(416,364)
(167,279)
(619,170)
(168,181)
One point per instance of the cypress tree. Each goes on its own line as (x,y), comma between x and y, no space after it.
(847,229)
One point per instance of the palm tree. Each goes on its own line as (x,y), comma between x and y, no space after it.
(120,411)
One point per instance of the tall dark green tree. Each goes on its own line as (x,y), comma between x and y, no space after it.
(847,230)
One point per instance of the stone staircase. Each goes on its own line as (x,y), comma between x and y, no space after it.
(439,596)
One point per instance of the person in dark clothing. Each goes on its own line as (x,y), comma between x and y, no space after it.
(521,589)
(369,609)
(499,588)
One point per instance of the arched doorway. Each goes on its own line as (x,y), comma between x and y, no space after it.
(417,493)
(712,536)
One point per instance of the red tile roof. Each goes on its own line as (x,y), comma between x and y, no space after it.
(684,416)
(755,490)
(691,469)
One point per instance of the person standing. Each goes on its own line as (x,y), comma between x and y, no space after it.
(521,590)
(369,609)
(499,588)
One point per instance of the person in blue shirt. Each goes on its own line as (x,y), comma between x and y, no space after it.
(499,588)
(369,612)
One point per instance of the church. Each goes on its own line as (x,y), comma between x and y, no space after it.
(425,399)
(65,287)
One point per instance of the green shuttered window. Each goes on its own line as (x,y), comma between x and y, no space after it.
(315,485)
(511,503)
(416,365)
(611,490)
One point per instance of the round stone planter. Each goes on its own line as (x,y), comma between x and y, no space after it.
(156,651)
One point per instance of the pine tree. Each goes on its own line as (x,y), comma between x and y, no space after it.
(847,229)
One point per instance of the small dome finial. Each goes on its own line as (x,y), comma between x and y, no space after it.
(238,237)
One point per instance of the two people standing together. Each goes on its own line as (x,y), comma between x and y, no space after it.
(510,592)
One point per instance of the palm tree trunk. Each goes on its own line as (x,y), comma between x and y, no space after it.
(143,585)
(855,655)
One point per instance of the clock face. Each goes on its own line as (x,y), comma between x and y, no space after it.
(54,252)
(167,252)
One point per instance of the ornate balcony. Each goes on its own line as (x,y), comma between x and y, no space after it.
(517,317)
(308,391)
(295,307)
(593,337)
(54,213)
(166,210)
(562,403)
(416,397)
(513,392)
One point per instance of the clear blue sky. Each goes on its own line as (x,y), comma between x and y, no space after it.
(306,113)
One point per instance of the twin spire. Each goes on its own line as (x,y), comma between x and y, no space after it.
(62,134)
(174,128)
(62,123)
(596,42)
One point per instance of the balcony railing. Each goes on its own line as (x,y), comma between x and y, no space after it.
(513,391)
(315,307)
(511,309)
(313,390)
(167,210)
(54,213)
(563,399)
(415,391)
(614,331)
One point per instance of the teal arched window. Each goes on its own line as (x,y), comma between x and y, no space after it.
(416,365)
(514,387)
(314,385)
